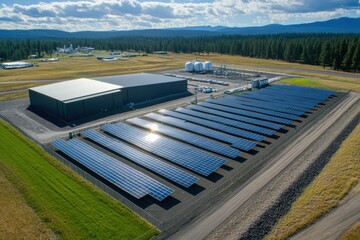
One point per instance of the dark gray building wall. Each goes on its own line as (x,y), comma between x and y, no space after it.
(142,93)
(179,87)
(44,103)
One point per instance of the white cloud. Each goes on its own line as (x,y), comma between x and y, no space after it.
(127,14)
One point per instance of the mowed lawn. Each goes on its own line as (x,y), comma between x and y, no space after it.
(321,83)
(68,205)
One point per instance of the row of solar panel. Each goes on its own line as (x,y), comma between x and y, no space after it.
(182,154)
(121,175)
(236,142)
(162,168)
(187,137)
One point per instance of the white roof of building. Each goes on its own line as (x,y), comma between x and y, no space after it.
(16,63)
(76,89)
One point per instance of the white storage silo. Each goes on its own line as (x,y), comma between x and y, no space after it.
(198,66)
(208,66)
(189,66)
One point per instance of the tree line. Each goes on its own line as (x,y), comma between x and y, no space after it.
(335,51)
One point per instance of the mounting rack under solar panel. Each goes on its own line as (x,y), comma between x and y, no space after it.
(182,154)
(238,105)
(126,178)
(235,142)
(265,105)
(236,117)
(213,125)
(227,121)
(280,105)
(162,168)
(187,137)
(246,113)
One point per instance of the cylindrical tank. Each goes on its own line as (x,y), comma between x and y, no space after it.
(208,66)
(189,66)
(198,66)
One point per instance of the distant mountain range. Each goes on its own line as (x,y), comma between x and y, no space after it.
(339,25)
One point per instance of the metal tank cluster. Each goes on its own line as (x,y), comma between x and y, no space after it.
(197,66)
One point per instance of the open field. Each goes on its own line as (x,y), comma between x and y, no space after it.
(321,83)
(326,191)
(18,220)
(78,67)
(69,206)
(353,233)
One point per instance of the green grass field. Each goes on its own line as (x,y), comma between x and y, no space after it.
(321,83)
(69,206)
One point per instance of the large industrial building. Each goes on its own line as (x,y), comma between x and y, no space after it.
(76,99)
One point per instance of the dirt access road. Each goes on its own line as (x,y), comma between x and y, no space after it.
(207,223)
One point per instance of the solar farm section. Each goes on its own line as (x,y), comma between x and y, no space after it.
(164,161)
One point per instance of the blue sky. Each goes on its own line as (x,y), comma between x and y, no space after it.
(80,15)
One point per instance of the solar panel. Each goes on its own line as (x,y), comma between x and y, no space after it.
(278,98)
(305,89)
(266,105)
(236,117)
(236,142)
(162,168)
(287,92)
(279,104)
(267,99)
(182,154)
(236,104)
(227,121)
(245,113)
(186,137)
(214,125)
(121,175)
(289,97)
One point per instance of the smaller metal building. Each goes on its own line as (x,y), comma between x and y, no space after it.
(15,65)
(76,99)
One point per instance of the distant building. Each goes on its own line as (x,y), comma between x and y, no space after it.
(71,49)
(259,82)
(15,65)
(160,52)
(50,60)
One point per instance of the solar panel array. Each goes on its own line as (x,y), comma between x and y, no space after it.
(121,175)
(266,105)
(182,136)
(258,122)
(246,113)
(234,104)
(236,142)
(227,121)
(186,137)
(182,154)
(162,168)
(217,126)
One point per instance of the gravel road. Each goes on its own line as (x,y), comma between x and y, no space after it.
(206,224)
(334,223)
